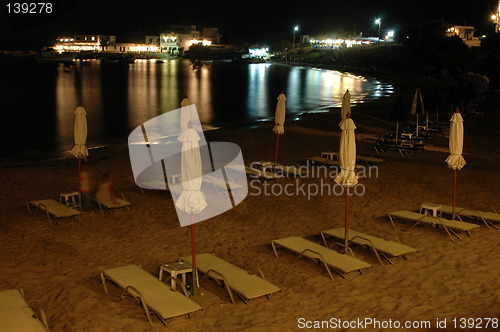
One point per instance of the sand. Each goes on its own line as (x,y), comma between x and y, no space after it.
(58,266)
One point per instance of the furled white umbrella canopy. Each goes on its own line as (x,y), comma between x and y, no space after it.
(279,120)
(455,160)
(80,150)
(346,105)
(279,126)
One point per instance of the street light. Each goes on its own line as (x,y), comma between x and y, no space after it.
(295,29)
(378,21)
(494,18)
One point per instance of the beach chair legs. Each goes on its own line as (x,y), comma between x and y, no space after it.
(135,293)
(219,276)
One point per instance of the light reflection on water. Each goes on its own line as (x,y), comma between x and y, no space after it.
(118,97)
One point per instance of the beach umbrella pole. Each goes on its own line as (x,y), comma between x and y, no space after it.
(194,290)
(346,231)
(276,153)
(397,131)
(454,193)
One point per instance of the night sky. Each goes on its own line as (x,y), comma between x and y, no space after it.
(238,21)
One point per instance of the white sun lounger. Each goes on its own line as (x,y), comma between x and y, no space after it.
(360,158)
(246,286)
(340,263)
(486,217)
(326,161)
(289,170)
(53,208)
(379,246)
(152,293)
(262,175)
(450,226)
(119,203)
(16,314)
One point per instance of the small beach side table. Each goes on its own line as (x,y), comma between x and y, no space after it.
(175,269)
(70,199)
(435,208)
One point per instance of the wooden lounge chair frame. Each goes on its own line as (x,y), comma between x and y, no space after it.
(484,216)
(449,225)
(53,208)
(314,254)
(228,278)
(371,242)
(20,314)
(141,298)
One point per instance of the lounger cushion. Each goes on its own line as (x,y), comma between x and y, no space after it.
(387,247)
(340,262)
(247,285)
(16,315)
(453,224)
(55,208)
(158,295)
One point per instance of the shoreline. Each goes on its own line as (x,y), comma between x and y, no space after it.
(58,266)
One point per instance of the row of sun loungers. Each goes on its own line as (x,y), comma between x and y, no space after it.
(157,297)
(55,210)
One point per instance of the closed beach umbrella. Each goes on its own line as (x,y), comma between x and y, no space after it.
(415,110)
(347,156)
(346,105)
(191,200)
(279,126)
(455,160)
(185,114)
(80,135)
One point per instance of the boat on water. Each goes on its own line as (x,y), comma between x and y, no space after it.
(53,56)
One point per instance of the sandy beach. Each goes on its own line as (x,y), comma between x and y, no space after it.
(58,266)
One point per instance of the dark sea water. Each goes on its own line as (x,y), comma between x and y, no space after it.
(38,100)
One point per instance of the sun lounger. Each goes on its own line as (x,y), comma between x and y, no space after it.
(53,208)
(360,158)
(119,203)
(152,293)
(340,263)
(326,161)
(403,149)
(379,246)
(16,314)
(246,286)
(279,169)
(450,226)
(486,217)
(263,175)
